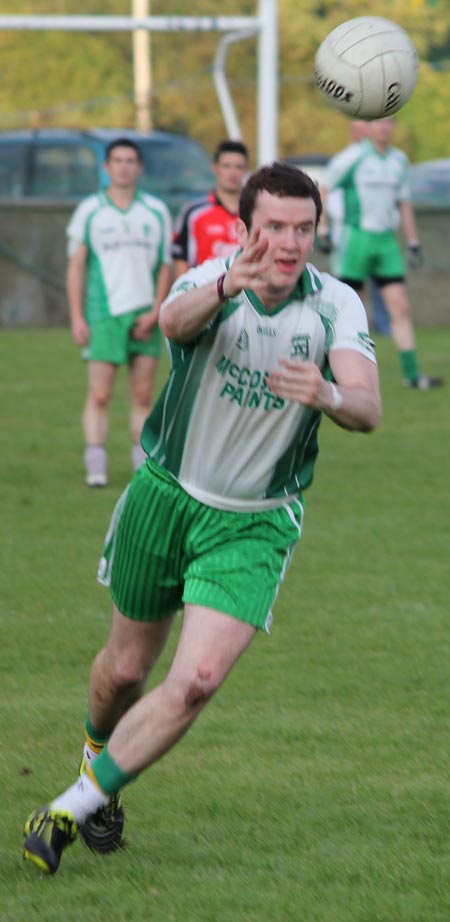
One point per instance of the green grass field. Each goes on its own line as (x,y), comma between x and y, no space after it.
(315,786)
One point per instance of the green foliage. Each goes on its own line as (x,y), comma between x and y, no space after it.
(315,785)
(79,79)
(305,113)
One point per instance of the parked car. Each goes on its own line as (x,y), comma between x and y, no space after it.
(313,164)
(430,183)
(67,164)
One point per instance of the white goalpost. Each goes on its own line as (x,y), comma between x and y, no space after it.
(264,26)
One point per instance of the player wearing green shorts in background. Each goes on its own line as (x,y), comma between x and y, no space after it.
(374,179)
(119,272)
(262,344)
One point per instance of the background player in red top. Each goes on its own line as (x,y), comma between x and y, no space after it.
(206,228)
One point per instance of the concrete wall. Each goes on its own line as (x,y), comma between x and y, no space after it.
(33,265)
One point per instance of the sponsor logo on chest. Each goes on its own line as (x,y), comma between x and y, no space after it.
(266,331)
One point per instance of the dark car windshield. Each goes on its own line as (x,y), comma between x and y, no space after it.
(175,166)
(61,170)
(430,183)
(13,159)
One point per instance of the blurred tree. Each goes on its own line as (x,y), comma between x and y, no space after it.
(81,79)
(305,113)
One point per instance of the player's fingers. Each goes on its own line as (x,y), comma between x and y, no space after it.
(293,364)
(256,246)
(254,237)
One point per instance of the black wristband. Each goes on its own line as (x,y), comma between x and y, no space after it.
(220,292)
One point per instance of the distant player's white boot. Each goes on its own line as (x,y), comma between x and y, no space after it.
(96,465)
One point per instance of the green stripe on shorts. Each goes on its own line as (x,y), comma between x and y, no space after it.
(165,549)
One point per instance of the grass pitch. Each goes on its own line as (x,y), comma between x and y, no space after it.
(315,786)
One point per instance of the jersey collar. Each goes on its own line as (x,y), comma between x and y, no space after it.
(105,200)
(373,150)
(215,200)
(309,283)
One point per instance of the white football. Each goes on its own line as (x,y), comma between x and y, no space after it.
(367,67)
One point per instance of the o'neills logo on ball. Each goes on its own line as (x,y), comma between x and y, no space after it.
(393,96)
(332,87)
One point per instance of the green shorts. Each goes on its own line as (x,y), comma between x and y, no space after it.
(361,255)
(111,340)
(164,549)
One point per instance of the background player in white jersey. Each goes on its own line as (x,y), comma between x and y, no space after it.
(374,178)
(262,345)
(119,272)
(329,239)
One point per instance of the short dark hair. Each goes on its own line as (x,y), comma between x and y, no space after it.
(280,179)
(123,142)
(230,147)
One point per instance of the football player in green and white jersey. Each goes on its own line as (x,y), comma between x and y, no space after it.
(119,272)
(373,176)
(262,344)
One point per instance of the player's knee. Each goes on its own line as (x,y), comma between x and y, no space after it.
(399,307)
(126,672)
(400,310)
(405,310)
(141,397)
(100,397)
(201,686)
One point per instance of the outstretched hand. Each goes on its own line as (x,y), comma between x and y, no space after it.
(301,381)
(249,268)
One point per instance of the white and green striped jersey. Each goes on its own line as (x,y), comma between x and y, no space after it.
(217,427)
(373,184)
(126,249)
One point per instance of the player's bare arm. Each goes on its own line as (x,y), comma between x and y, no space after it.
(323,227)
(408,221)
(181,266)
(145,323)
(75,282)
(353,402)
(189,313)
